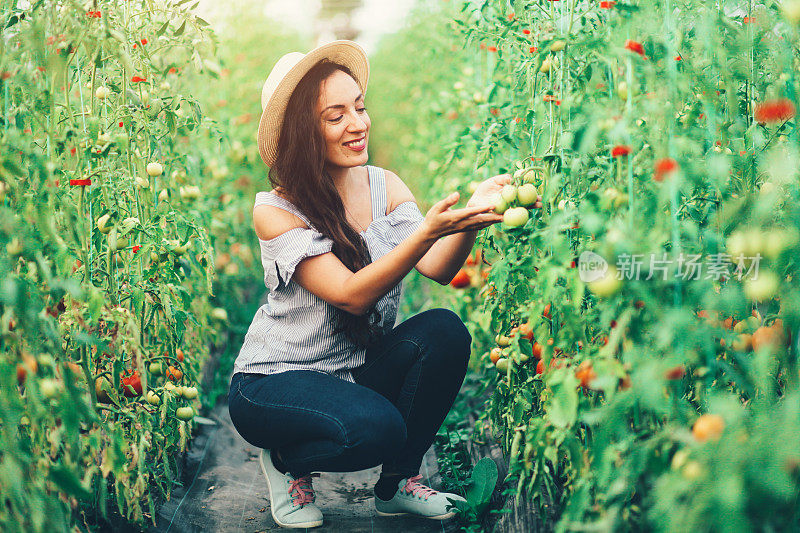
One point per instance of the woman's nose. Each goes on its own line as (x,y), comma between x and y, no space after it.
(357,123)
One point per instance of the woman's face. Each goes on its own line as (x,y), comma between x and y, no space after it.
(345,123)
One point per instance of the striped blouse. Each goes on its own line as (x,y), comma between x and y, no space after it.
(294,329)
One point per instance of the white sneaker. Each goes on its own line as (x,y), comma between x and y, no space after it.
(412,497)
(291,500)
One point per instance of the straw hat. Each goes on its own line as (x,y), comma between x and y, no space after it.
(285,76)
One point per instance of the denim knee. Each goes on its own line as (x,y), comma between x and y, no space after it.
(378,433)
(449,336)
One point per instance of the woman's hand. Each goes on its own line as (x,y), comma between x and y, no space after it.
(487,191)
(441,220)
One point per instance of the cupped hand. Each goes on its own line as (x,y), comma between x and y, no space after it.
(487,191)
(441,220)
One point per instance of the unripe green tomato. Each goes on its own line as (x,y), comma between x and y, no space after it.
(515,217)
(184,413)
(169,386)
(115,242)
(103,139)
(218,313)
(529,176)
(478,98)
(508,193)
(103,224)
(155,368)
(500,205)
(102,92)
(527,194)
(558,45)
(606,286)
(154,257)
(190,192)
(190,393)
(622,90)
(49,388)
(163,195)
(763,287)
(472,186)
(153,398)
(778,240)
(546,65)
(14,247)
(523,357)
(502,340)
(142,183)
(154,169)
(502,365)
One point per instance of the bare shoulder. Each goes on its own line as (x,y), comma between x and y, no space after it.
(270,221)
(397,192)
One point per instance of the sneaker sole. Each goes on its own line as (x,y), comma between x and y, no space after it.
(299,525)
(439,517)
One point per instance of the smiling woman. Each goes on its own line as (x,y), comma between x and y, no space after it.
(324,380)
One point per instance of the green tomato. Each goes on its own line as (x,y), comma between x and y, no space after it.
(154,169)
(155,368)
(184,413)
(515,217)
(527,194)
(103,224)
(606,286)
(508,193)
(190,393)
(49,388)
(502,365)
(152,398)
(762,287)
(502,340)
(500,205)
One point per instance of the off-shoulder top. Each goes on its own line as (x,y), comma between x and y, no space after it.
(293,330)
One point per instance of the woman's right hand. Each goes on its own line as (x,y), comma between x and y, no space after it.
(441,220)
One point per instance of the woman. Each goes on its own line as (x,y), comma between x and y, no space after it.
(324,381)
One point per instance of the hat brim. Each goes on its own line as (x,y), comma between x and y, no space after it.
(344,52)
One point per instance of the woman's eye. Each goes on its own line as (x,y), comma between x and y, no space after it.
(362,109)
(337,119)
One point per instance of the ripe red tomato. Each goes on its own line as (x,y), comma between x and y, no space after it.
(132,381)
(526,331)
(179,354)
(546,312)
(537,350)
(676,372)
(585,374)
(174,374)
(460,280)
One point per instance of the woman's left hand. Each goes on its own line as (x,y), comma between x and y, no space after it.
(487,191)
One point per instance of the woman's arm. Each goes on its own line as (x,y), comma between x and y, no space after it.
(444,259)
(356,292)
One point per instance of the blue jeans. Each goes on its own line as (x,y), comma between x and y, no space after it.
(389,417)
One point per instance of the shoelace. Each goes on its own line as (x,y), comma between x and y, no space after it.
(301,491)
(415,488)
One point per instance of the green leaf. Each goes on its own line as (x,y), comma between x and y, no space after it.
(69,482)
(482,482)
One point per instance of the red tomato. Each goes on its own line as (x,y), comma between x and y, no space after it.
(495,354)
(526,331)
(134,381)
(460,280)
(179,354)
(676,372)
(546,312)
(537,350)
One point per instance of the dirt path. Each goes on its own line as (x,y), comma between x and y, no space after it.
(225,491)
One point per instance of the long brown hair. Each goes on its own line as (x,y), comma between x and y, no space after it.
(299,170)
